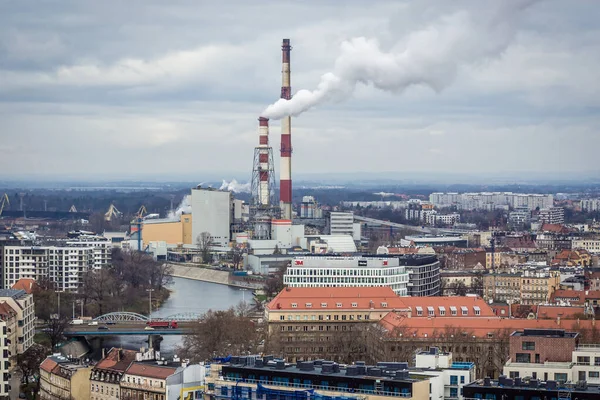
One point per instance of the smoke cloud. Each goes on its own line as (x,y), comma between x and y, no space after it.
(235,187)
(430,56)
(185,207)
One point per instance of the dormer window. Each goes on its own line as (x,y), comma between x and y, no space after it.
(338,305)
(453,310)
(323,305)
(384,304)
(465,310)
(308,305)
(294,305)
(430,311)
(477,310)
(419,311)
(354,305)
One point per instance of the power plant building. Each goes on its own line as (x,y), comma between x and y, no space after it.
(352,271)
(172,231)
(211,209)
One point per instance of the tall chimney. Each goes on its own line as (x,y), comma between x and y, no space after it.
(285,182)
(263,159)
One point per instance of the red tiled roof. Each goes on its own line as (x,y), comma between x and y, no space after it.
(26,284)
(150,371)
(364,297)
(116,360)
(6,310)
(479,327)
(553,312)
(402,250)
(573,296)
(48,364)
(554,228)
(449,301)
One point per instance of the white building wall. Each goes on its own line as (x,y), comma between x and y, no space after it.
(211,212)
(341,223)
(4,361)
(347,272)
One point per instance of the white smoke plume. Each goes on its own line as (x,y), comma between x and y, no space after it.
(430,56)
(185,207)
(235,187)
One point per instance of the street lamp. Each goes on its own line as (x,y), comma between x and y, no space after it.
(149,303)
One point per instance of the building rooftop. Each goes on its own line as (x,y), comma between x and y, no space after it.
(26,284)
(116,360)
(505,384)
(397,371)
(14,293)
(470,326)
(444,306)
(546,333)
(150,371)
(332,298)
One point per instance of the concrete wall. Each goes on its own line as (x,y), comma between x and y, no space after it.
(168,231)
(211,210)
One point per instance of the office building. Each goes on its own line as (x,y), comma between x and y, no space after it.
(352,271)
(341,223)
(212,213)
(311,323)
(22,303)
(423,275)
(446,377)
(63,379)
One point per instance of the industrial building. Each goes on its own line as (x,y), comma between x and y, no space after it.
(171,231)
(350,271)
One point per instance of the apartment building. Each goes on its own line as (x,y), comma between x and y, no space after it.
(22,303)
(145,381)
(491,200)
(446,377)
(337,271)
(589,245)
(590,205)
(526,287)
(106,375)
(63,379)
(552,215)
(5,354)
(65,264)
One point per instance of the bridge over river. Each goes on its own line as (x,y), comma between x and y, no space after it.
(128,323)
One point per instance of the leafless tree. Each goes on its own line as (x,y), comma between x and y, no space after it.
(55,329)
(221,333)
(203,242)
(28,362)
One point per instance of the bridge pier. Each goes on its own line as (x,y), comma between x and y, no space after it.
(154,341)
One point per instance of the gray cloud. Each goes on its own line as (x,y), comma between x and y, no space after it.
(157,88)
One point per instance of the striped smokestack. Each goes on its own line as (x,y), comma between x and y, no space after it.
(285,182)
(263,159)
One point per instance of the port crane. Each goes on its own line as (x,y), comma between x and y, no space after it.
(137,221)
(112,212)
(4,202)
(73,209)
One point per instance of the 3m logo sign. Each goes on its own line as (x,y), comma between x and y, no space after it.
(385,263)
(298,262)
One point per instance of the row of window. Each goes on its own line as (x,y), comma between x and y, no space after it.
(321,317)
(338,305)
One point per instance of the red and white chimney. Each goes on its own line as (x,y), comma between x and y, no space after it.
(263,159)
(285,182)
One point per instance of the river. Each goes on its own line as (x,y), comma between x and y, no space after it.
(187,296)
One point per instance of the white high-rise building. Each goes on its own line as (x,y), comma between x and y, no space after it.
(211,212)
(359,271)
(64,265)
(341,223)
(491,200)
(552,215)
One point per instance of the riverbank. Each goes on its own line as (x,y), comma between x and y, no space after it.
(208,275)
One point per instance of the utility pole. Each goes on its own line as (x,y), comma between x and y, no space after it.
(58,308)
(81,315)
(150,303)
(73,310)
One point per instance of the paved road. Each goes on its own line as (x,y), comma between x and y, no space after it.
(129,328)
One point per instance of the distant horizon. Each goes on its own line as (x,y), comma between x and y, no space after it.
(356,178)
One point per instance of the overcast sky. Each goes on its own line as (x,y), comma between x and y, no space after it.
(139,87)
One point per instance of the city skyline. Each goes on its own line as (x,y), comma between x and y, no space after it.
(94,90)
